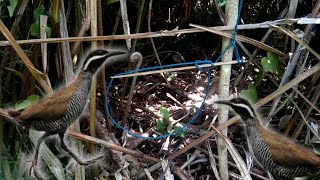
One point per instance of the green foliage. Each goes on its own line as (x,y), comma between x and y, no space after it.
(38,12)
(181,134)
(261,74)
(165,113)
(221,2)
(161,126)
(250,94)
(35,27)
(271,64)
(27,102)
(12,7)
(164,125)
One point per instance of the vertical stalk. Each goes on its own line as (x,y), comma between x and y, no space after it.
(94,45)
(69,75)
(224,84)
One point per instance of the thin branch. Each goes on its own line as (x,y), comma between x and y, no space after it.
(175,69)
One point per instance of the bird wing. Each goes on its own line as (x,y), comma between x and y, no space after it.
(287,153)
(49,108)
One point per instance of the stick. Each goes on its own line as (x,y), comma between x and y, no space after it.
(175,69)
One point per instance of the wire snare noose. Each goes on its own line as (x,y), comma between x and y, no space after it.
(196,63)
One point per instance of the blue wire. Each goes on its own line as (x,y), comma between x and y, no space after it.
(233,39)
(196,63)
(176,131)
(154,68)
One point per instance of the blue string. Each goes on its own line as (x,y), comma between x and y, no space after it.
(157,67)
(233,39)
(179,129)
(196,63)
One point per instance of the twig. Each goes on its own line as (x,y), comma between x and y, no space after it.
(153,34)
(85,26)
(111,145)
(240,38)
(176,69)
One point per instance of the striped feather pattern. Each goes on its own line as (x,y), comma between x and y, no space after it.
(263,154)
(75,107)
(283,158)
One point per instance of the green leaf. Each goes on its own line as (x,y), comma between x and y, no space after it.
(48,30)
(271,64)
(161,127)
(35,29)
(33,98)
(261,74)
(11,10)
(181,134)
(12,7)
(38,12)
(221,3)
(23,104)
(169,127)
(27,102)
(165,113)
(250,94)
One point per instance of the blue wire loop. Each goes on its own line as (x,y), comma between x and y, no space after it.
(196,63)
(233,39)
(154,68)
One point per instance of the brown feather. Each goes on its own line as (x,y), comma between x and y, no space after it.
(14,113)
(287,153)
(5,113)
(49,108)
